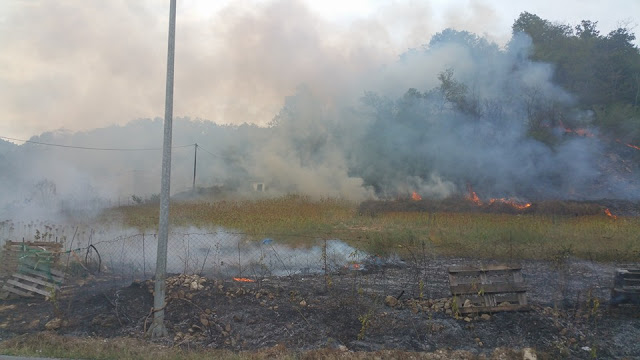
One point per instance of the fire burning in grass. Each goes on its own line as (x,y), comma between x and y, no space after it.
(587,133)
(579,132)
(354,266)
(609,214)
(633,146)
(474,198)
(239,279)
(628,145)
(415,196)
(510,202)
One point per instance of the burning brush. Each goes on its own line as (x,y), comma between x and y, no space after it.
(474,198)
(609,214)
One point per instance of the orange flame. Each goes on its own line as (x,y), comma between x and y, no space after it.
(354,266)
(415,196)
(629,145)
(473,197)
(243,279)
(609,214)
(512,203)
(579,132)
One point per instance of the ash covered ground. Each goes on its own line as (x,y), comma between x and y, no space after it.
(399,305)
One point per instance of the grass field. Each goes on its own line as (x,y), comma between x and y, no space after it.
(296,219)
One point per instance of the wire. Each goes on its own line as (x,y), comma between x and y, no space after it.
(207,151)
(92,148)
(224,157)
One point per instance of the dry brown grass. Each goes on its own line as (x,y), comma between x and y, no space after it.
(297,219)
(49,344)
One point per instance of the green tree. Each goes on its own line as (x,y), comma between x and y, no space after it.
(602,71)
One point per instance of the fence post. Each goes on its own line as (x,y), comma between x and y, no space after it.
(239,261)
(144,262)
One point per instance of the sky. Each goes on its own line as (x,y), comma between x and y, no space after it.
(83,64)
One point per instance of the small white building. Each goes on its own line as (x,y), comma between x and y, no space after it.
(258,185)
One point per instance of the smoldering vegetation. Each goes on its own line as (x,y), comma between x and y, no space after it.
(458,111)
(213,252)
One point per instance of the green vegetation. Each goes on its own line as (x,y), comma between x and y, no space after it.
(298,220)
(602,70)
(288,215)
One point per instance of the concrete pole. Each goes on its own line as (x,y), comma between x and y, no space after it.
(195,164)
(157,327)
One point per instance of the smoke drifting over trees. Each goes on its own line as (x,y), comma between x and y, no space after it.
(528,120)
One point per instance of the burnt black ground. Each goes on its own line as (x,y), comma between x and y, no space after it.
(570,316)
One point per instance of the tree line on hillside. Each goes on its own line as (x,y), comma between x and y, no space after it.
(603,71)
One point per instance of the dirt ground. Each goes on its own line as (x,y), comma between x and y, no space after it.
(389,305)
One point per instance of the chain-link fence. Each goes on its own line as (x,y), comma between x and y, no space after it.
(219,254)
(127,255)
(214,253)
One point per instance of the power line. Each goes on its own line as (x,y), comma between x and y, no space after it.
(210,153)
(91,148)
(224,157)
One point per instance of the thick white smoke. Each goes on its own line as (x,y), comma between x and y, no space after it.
(459,110)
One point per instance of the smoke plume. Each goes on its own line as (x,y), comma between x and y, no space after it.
(355,117)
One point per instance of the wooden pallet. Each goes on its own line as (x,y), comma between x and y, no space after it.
(14,252)
(29,286)
(626,287)
(27,269)
(489,289)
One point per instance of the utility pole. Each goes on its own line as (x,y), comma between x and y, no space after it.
(195,161)
(157,327)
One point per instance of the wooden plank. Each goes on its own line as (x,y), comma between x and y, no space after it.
(499,298)
(489,299)
(32,244)
(493,309)
(489,279)
(626,291)
(44,275)
(42,266)
(517,279)
(35,281)
(630,276)
(453,280)
(13,290)
(487,288)
(467,270)
(28,287)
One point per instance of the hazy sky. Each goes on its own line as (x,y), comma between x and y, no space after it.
(82,64)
